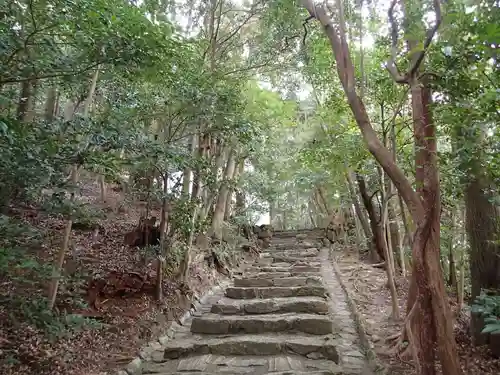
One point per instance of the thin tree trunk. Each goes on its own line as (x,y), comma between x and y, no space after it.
(50,104)
(160,263)
(378,233)
(363,220)
(218,216)
(321,194)
(389,265)
(452,270)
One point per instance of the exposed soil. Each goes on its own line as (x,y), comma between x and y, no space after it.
(128,318)
(368,285)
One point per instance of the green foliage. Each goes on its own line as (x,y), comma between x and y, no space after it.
(488,306)
(56,326)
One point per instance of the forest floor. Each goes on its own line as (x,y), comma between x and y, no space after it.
(126,318)
(368,285)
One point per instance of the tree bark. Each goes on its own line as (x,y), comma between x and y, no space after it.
(160,262)
(357,207)
(50,104)
(218,217)
(375,223)
(187,173)
(26,103)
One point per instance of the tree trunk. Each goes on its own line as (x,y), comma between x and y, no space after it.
(310,210)
(452,270)
(389,265)
(482,225)
(408,236)
(218,217)
(272,213)
(359,212)
(229,199)
(160,262)
(51,104)
(375,223)
(321,194)
(26,101)
(240,193)
(187,173)
(196,186)
(211,191)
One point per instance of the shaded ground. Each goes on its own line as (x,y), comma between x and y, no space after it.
(373,300)
(31,343)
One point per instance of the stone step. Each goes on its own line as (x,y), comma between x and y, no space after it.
(311,252)
(286,262)
(275,291)
(252,365)
(282,281)
(319,347)
(245,371)
(292,322)
(292,260)
(290,246)
(276,275)
(294,268)
(312,305)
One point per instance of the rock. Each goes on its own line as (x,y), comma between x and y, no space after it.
(301,237)
(134,367)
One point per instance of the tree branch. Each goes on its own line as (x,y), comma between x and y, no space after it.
(391,65)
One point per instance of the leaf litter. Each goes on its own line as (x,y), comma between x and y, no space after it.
(368,285)
(127,318)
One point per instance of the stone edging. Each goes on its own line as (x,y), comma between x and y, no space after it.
(134,367)
(376,365)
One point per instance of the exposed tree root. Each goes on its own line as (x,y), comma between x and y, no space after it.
(406,333)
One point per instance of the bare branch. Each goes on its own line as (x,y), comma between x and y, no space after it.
(430,35)
(391,66)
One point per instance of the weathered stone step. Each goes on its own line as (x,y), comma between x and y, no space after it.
(282,281)
(320,347)
(312,305)
(306,253)
(276,275)
(252,365)
(287,262)
(275,291)
(291,322)
(294,268)
(292,260)
(291,246)
(230,372)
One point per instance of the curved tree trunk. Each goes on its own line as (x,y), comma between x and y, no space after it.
(430,317)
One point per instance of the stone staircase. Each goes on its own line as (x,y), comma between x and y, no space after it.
(285,314)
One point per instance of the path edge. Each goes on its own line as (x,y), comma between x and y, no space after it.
(374,362)
(135,366)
